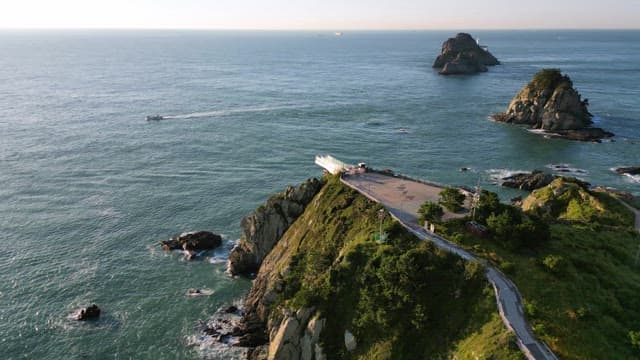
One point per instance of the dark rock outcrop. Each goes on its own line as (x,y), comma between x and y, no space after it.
(528,181)
(263,228)
(631,170)
(463,55)
(193,241)
(550,103)
(90,312)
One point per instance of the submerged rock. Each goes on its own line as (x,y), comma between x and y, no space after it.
(550,103)
(90,312)
(263,228)
(463,55)
(528,181)
(193,241)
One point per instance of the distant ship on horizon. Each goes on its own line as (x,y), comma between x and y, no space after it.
(338,33)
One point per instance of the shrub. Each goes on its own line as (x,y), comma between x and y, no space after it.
(508,267)
(515,230)
(634,338)
(430,211)
(554,263)
(451,199)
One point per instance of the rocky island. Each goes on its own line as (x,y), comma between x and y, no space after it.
(463,55)
(550,103)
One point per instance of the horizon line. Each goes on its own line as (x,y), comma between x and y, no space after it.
(319,29)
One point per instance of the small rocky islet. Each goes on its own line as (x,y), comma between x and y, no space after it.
(550,103)
(628,170)
(192,242)
(463,55)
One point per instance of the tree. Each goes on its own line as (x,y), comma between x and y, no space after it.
(489,203)
(430,211)
(501,226)
(451,199)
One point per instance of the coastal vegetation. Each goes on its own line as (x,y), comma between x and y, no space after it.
(401,299)
(549,79)
(431,212)
(451,198)
(577,274)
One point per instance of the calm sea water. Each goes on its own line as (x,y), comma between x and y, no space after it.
(88,187)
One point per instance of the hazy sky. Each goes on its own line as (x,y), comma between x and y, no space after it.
(320,14)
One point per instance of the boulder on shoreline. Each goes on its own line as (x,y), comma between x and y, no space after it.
(193,241)
(550,103)
(463,55)
(528,181)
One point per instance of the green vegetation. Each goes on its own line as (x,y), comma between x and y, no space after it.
(581,287)
(431,212)
(549,79)
(452,199)
(402,300)
(634,338)
(569,199)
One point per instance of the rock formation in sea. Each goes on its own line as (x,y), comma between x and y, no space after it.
(90,312)
(550,103)
(264,227)
(193,241)
(630,170)
(463,55)
(528,181)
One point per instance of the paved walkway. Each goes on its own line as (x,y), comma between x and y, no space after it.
(402,198)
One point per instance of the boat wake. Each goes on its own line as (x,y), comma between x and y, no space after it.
(226,112)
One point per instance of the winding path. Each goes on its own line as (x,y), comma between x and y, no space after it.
(402,198)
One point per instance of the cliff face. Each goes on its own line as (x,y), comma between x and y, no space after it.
(462,55)
(549,102)
(329,290)
(264,227)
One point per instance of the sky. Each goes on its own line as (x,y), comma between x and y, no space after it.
(335,15)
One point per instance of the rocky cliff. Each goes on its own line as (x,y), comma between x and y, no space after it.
(264,227)
(329,290)
(549,102)
(463,55)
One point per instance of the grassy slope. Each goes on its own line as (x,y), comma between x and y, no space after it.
(585,305)
(402,300)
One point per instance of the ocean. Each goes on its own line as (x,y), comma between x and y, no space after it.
(89,188)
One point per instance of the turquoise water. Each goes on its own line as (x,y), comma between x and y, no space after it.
(89,187)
